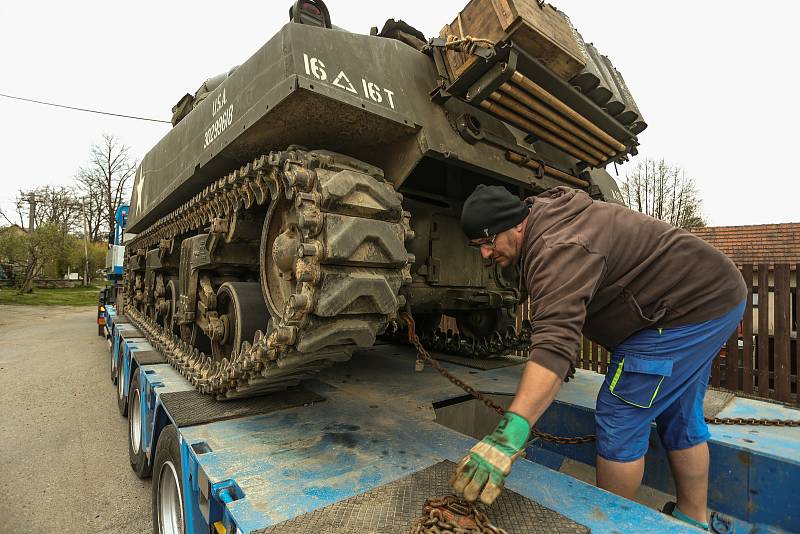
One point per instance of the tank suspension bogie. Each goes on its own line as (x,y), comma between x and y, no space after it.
(162,300)
(139,291)
(170,297)
(207,316)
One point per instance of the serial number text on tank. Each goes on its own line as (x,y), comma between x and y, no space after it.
(367,89)
(224,118)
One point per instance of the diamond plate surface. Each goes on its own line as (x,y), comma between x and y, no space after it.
(394,507)
(715,401)
(193,408)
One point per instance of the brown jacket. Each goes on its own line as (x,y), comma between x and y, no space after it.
(607,271)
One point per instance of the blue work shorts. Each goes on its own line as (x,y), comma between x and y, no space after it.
(659,375)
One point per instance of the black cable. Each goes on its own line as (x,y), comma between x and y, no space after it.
(82,109)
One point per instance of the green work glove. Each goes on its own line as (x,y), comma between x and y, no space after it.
(484,470)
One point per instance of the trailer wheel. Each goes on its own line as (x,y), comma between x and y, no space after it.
(114,354)
(168,485)
(136,453)
(122,401)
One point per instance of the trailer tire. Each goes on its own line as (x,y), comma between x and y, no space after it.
(168,484)
(136,453)
(114,353)
(122,400)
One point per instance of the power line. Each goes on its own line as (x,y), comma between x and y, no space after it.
(82,109)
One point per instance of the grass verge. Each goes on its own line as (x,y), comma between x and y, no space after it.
(76,296)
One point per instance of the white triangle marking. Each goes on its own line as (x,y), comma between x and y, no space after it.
(348,87)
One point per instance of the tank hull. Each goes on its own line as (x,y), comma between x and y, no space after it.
(356,94)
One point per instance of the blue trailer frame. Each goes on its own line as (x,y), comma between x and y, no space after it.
(377,424)
(115,270)
(114,266)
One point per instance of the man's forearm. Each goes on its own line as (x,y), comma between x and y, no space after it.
(536,391)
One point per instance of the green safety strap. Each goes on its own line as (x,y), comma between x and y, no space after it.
(616,379)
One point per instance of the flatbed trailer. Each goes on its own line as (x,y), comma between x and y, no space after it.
(359,449)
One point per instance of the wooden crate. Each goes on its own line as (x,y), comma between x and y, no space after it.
(542,32)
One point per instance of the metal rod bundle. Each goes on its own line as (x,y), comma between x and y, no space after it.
(565,123)
(516,106)
(534,110)
(531,87)
(528,126)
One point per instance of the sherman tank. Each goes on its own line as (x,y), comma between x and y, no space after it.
(304,199)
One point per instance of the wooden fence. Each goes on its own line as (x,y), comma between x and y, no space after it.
(762,356)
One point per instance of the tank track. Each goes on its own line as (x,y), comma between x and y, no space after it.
(346,262)
(496,344)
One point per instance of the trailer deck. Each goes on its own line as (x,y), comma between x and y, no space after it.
(360,447)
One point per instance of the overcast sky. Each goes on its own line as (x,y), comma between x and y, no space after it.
(716,81)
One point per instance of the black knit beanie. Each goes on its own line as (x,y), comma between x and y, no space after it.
(490,210)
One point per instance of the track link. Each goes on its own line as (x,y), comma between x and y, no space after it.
(496,344)
(332,266)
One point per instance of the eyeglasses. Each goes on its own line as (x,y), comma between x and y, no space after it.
(487,242)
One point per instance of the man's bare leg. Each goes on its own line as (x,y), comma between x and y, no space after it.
(622,478)
(690,470)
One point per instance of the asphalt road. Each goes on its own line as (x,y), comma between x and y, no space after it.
(63,445)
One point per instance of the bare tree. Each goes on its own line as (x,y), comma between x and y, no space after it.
(94,213)
(22,207)
(58,206)
(663,191)
(105,181)
(10,218)
(52,205)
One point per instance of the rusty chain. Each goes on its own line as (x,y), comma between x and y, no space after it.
(453,515)
(752,421)
(424,356)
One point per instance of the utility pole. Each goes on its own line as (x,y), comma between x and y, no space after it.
(31,210)
(85,244)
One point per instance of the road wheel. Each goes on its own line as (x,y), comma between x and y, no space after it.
(136,453)
(167,484)
(122,401)
(241,308)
